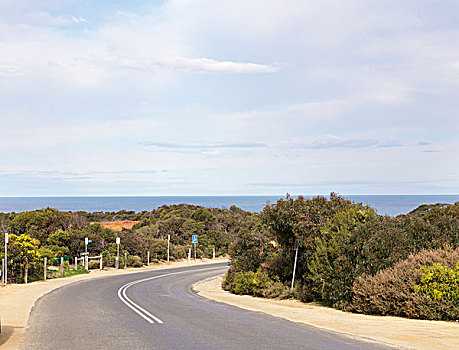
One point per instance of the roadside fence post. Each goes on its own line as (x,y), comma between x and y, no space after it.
(76,263)
(213,253)
(61,268)
(148,258)
(189,256)
(86,262)
(168,247)
(45,267)
(125,260)
(26,270)
(101,262)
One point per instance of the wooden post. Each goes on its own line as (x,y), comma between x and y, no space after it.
(61,269)
(45,267)
(3,271)
(26,270)
(148,258)
(101,262)
(125,260)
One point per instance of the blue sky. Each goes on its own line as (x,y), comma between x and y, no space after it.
(205,97)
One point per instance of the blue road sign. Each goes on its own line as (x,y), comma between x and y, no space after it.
(194,238)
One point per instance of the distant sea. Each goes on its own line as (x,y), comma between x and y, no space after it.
(385,204)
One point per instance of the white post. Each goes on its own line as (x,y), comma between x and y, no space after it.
(148,258)
(76,263)
(117,253)
(195,251)
(294,265)
(213,253)
(189,256)
(61,268)
(45,267)
(125,260)
(3,271)
(101,262)
(168,246)
(86,262)
(6,259)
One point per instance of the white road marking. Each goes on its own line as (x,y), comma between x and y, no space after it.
(138,309)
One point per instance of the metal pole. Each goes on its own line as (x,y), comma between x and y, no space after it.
(3,271)
(125,260)
(294,265)
(213,253)
(6,259)
(189,256)
(148,258)
(195,251)
(168,246)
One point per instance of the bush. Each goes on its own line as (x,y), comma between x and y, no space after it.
(134,261)
(93,264)
(392,290)
(439,282)
(254,283)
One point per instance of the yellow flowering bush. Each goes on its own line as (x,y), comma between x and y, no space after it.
(439,282)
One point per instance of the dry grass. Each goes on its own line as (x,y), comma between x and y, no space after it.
(118,225)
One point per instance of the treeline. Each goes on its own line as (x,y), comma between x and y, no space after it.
(351,258)
(51,233)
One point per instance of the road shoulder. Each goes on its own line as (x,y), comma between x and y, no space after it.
(17,300)
(395,331)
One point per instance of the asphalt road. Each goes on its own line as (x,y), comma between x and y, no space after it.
(99,314)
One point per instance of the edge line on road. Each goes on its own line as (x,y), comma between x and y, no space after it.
(137,308)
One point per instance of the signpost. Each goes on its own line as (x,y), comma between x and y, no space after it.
(117,264)
(86,241)
(6,258)
(194,239)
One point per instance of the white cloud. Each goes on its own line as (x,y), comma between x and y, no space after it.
(201,65)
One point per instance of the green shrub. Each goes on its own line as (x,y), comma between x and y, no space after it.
(93,264)
(134,261)
(392,291)
(439,282)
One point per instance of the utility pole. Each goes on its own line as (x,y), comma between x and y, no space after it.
(6,259)
(294,265)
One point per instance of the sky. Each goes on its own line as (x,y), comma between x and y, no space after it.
(237,97)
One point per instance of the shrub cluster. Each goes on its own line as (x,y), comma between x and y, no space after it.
(343,245)
(408,288)
(257,283)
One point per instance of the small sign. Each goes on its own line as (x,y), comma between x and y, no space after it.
(117,240)
(194,238)
(89,240)
(6,237)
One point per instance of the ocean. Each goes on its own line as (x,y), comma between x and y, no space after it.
(391,205)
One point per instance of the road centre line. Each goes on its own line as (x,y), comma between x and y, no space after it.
(138,309)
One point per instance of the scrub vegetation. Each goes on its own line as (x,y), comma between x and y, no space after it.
(52,233)
(351,258)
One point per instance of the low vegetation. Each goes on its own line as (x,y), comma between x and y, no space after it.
(51,233)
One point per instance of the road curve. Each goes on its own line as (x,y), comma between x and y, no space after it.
(106,313)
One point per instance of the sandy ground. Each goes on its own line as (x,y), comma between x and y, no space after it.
(17,300)
(395,331)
